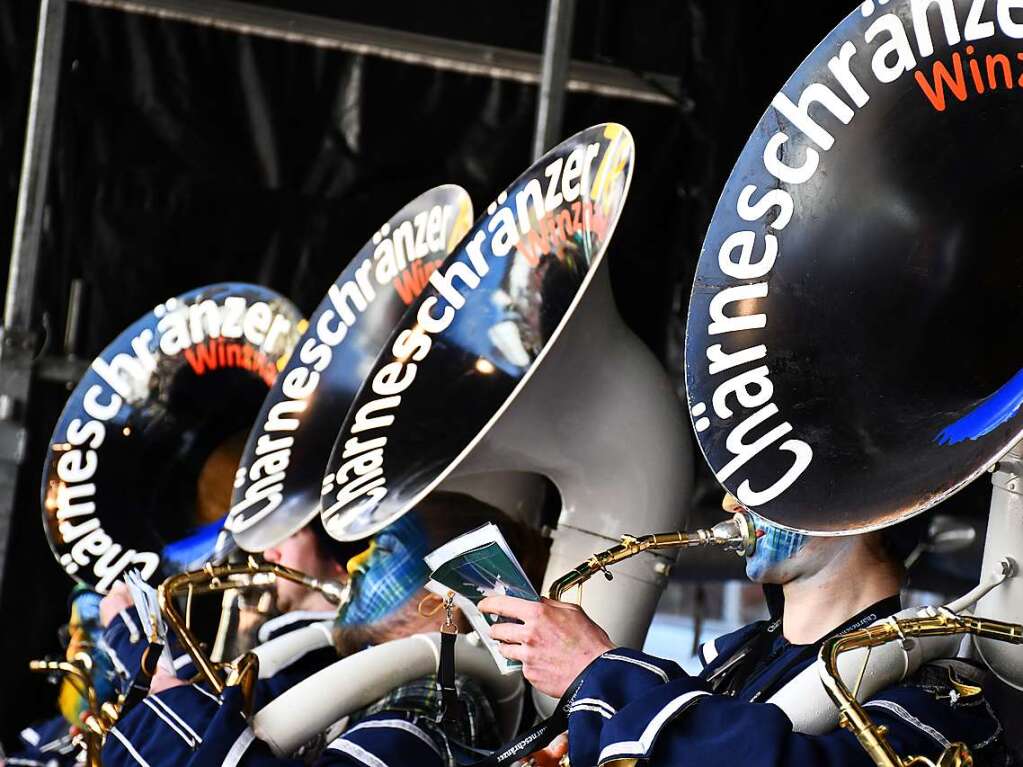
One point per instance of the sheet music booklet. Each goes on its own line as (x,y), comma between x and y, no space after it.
(475,565)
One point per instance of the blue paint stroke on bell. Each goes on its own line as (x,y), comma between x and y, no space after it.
(991,413)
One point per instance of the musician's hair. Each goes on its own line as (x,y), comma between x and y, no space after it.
(329,547)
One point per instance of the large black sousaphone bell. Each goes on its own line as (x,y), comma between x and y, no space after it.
(277,490)
(141,463)
(849,354)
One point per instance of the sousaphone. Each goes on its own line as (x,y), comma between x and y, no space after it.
(139,467)
(514,359)
(846,357)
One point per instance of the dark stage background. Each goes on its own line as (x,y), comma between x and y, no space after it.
(185,155)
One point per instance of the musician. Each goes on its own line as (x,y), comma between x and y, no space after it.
(51,743)
(630,705)
(184,723)
(310,550)
(105,626)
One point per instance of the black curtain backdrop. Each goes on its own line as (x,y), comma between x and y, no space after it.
(185,155)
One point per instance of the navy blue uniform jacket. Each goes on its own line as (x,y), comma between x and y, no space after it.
(636,706)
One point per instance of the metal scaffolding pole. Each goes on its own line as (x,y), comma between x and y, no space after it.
(557,53)
(554,73)
(17,346)
(406,47)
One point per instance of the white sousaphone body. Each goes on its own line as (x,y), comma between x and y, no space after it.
(512,359)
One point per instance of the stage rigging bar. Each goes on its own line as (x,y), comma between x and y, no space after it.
(19,336)
(406,47)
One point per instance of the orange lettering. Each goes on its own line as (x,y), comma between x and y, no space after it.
(1002,60)
(204,359)
(939,72)
(411,282)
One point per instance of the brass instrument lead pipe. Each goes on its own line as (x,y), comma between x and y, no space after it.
(854,717)
(221,578)
(736,534)
(73,669)
(95,726)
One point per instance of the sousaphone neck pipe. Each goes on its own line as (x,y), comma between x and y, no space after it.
(212,578)
(736,534)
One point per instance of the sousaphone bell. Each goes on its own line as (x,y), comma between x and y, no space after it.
(127,466)
(277,488)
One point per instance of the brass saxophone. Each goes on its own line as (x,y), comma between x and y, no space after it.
(853,716)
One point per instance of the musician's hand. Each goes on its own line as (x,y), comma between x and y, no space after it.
(164,681)
(554,642)
(547,757)
(117,599)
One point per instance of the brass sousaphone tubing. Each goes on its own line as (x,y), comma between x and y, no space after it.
(854,717)
(212,579)
(99,717)
(736,534)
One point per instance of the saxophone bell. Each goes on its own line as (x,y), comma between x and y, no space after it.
(853,716)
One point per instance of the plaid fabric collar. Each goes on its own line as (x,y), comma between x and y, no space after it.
(87,632)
